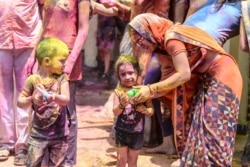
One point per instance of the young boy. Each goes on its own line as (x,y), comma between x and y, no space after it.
(47,92)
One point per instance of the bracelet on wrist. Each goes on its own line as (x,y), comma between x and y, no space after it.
(121,106)
(46,95)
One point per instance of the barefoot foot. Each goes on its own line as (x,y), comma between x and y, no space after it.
(167,147)
(176,163)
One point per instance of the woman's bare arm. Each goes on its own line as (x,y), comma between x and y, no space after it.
(99,8)
(243,37)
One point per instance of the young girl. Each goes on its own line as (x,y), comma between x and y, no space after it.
(129,125)
(47,91)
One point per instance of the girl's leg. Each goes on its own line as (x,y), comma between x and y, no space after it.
(122,156)
(135,144)
(121,148)
(133,157)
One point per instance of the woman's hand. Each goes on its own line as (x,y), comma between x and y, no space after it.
(143,95)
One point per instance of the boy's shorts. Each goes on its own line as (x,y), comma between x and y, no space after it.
(132,140)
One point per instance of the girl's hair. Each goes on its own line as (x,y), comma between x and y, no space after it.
(124,59)
(50,47)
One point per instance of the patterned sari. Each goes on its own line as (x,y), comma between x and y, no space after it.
(204,109)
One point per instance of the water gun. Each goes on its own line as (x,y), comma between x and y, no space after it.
(132,92)
(44,93)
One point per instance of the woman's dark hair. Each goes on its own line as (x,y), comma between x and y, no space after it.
(220,3)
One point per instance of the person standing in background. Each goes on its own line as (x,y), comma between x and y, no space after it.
(68,20)
(106,34)
(159,7)
(20,25)
(245,45)
(221,19)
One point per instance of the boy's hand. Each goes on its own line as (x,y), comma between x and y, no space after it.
(49,96)
(37,98)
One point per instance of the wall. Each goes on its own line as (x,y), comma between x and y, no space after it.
(90,49)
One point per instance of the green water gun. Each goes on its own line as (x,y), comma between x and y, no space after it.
(132,92)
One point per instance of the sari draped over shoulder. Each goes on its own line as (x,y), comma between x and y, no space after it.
(201,122)
(204,109)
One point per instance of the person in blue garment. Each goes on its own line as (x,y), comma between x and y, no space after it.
(219,19)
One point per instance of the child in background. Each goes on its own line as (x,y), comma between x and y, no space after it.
(106,35)
(47,91)
(129,126)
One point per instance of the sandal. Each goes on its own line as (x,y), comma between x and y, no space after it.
(21,158)
(4,153)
